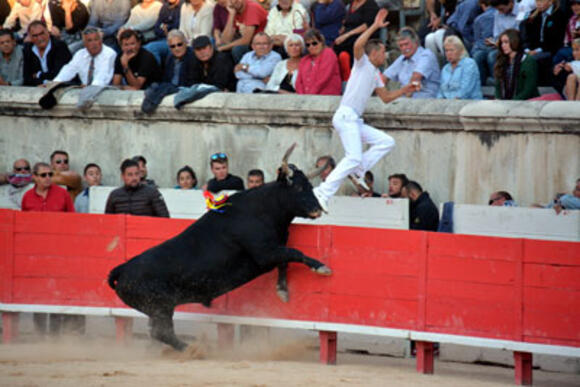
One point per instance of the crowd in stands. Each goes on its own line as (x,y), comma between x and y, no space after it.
(290,46)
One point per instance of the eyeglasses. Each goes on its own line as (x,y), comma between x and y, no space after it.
(19,169)
(219,156)
(44,174)
(176,45)
(63,161)
(314,43)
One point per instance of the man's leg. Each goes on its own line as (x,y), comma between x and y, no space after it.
(381,144)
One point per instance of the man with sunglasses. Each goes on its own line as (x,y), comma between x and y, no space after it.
(59,162)
(222,180)
(18,182)
(46,196)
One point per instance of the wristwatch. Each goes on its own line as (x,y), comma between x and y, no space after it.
(246,67)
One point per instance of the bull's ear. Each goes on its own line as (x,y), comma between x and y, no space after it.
(285,175)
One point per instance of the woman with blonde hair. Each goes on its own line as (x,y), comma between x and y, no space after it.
(460,76)
(283,79)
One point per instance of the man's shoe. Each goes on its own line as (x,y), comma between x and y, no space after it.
(359,181)
(321,201)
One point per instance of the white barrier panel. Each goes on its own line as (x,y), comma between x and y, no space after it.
(344,210)
(516,222)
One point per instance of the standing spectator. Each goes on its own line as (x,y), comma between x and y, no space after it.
(60,164)
(396,183)
(66,19)
(328,162)
(328,17)
(92,175)
(246,19)
(136,68)
(22,14)
(416,67)
(483,43)
(133,197)
(142,18)
(256,66)
(288,16)
(142,164)
(94,64)
(168,20)
(178,68)
(318,72)
(212,67)
(516,74)
(4,10)
(220,19)
(501,198)
(460,76)
(186,178)
(20,180)
(255,178)
(44,56)
(109,16)
(283,79)
(423,214)
(222,180)
(572,90)
(11,60)
(196,19)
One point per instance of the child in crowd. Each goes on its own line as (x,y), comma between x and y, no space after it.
(186,178)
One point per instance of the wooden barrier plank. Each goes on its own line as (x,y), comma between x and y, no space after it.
(373,311)
(67,245)
(138,246)
(301,235)
(378,239)
(69,224)
(63,267)
(465,294)
(552,276)
(380,262)
(7,220)
(550,252)
(350,282)
(6,254)
(474,247)
(471,270)
(145,227)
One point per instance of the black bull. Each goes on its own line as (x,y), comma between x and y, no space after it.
(219,252)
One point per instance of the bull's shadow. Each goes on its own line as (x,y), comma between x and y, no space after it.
(222,251)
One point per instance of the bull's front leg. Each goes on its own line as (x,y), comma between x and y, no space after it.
(282,285)
(283,255)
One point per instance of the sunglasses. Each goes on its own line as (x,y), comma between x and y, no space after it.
(44,174)
(176,45)
(64,161)
(314,43)
(493,200)
(219,156)
(19,169)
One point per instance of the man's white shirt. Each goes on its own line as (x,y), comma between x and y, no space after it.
(104,67)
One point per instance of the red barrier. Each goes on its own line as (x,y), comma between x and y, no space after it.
(496,288)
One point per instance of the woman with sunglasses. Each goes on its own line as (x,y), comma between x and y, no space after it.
(179,65)
(318,71)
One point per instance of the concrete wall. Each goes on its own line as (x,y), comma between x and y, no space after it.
(458,150)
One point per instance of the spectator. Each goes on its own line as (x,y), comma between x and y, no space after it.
(328,16)
(369,181)
(22,14)
(186,178)
(516,74)
(255,178)
(396,183)
(133,197)
(179,65)
(327,161)
(423,214)
(222,179)
(20,180)
(252,17)
(220,19)
(212,67)
(66,19)
(92,175)
(283,79)
(567,201)
(142,18)
(94,64)
(564,55)
(136,68)
(109,16)
(196,19)
(168,20)
(44,56)
(505,18)
(11,60)
(283,20)
(572,89)
(318,72)
(483,43)
(415,66)
(142,164)
(460,76)
(256,67)
(59,162)
(501,198)
(438,12)
(4,10)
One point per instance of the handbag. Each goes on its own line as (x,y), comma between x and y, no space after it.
(305,24)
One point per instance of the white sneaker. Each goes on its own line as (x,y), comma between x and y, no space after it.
(360,181)
(321,201)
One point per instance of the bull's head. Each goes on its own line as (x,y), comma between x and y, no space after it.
(300,196)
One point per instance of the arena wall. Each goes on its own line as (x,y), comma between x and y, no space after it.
(458,150)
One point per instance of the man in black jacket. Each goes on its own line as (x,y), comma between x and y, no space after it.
(135,198)
(211,67)
(44,56)
(423,214)
(223,180)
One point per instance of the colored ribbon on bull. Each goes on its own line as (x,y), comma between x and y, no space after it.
(216,203)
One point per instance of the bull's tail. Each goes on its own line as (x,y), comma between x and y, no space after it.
(114,276)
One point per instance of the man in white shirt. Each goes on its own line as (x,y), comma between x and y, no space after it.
(364,79)
(94,64)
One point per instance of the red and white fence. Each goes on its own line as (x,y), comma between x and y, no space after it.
(517,294)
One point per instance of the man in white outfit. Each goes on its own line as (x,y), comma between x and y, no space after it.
(364,79)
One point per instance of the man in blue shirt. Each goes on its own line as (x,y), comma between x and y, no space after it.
(257,65)
(482,36)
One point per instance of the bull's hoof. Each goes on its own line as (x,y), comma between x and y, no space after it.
(195,351)
(283,295)
(324,270)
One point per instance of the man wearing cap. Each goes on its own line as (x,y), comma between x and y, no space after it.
(212,67)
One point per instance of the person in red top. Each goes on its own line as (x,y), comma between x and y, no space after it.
(46,196)
(246,18)
(318,72)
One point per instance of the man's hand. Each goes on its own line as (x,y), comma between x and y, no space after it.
(339,40)
(434,22)
(126,57)
(380,19)
(558,68)
(490,42)
(240,67)
(411,88)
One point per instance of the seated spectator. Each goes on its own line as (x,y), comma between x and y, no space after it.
(564,55)
(396,183)
(222,179)
(483,43)
(196,19)
(460,76)
(220,19)
(142,18)
(60,164)
(179,65)
(255,178)
(20,180)
(142,164)
(212,67)
(256,66)
(252,17)
(4,10)
(168,20)
(423,214)
(283,79)
(283,20)
(136,68)
(46,196)
(11,60)
(92,175)
(328,162)
(66,19)
(501,198)
(44,56)
(567,201)
(328,16)
(516,74)
(22,14)
(133,197)
(318,72)
(186,178)
(94,64)
(437,14)
(109,16)
(572,89)
(415,66)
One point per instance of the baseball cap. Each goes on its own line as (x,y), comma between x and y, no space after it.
(201,42)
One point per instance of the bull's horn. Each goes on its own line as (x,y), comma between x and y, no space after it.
(285,168)
(318,171)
